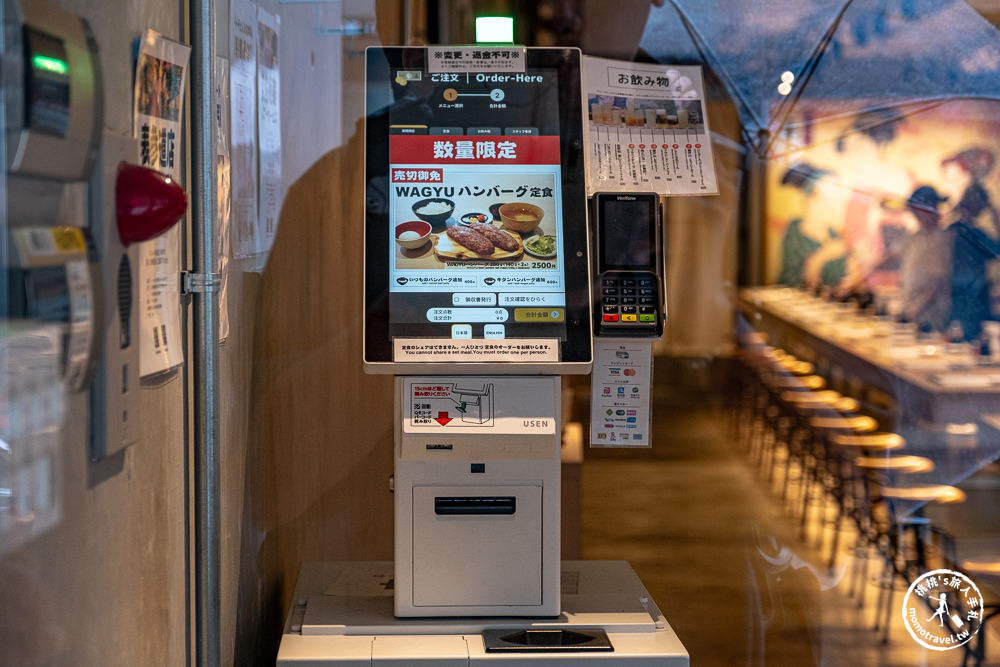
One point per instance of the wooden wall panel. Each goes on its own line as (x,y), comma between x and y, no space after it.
(320,442)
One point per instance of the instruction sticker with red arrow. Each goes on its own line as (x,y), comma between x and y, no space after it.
(475,404)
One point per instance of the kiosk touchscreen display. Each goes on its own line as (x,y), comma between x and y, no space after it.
(475,216)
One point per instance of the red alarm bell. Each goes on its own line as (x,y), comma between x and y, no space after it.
(147,203)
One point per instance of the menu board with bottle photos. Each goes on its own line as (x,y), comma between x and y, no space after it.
(646,129)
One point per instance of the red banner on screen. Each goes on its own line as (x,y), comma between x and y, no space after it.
(405,175)
(486,150)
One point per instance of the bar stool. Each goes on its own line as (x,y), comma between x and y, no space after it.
(797,382)
(887,470)
(764,365)
(804,406)
(779,423)
(757,363)
(921,494)
(796,367)
(895,465)
(842,477)
(981,569)
(820,464)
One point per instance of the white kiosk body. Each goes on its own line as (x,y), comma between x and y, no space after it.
(477,496)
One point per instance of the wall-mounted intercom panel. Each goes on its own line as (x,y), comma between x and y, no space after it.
(54,113)
(629,296)
(67,264)
(115,400)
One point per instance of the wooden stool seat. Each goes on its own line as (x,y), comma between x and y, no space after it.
(981,567)
(876,441)
(895,464)
(855,423)
(825,396)
(846,404)
(842,404)
(796,382)
(930,493)
(796,367)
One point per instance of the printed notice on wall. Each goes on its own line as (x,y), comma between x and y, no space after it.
(243,127)
(646,128)
(159,103)
(268,127)
(621,393)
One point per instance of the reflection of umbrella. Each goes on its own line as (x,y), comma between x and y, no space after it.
(852,55)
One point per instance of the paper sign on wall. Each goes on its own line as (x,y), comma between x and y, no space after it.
(268,128)
(243,126)
(158,107)
(646,129)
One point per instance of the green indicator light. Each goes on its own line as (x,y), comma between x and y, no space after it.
(495,29)
(47,64)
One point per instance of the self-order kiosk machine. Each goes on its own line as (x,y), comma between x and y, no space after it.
(477,297)
(477,264)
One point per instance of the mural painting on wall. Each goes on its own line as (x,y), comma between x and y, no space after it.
(850,200)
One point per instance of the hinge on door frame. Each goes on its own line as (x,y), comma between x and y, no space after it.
(207,283)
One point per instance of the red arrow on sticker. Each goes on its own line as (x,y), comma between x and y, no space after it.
(442,418)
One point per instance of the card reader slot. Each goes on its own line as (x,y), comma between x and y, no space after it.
(474,505)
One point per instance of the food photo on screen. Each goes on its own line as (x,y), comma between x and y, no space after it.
(463,221)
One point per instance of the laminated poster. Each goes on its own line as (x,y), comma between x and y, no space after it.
(159,104)
(243,131)
(621,393)
(646,128)
(268,128)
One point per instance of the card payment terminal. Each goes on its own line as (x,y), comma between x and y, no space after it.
(630,265)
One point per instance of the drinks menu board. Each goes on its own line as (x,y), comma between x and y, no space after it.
(646,129)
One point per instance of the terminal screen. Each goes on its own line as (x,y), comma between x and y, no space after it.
(628,235)
(475,204)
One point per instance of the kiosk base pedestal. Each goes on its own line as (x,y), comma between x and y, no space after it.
(342,615)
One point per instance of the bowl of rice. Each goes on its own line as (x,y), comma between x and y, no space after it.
(435,210)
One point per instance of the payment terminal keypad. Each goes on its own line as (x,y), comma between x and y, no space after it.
(629,302)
